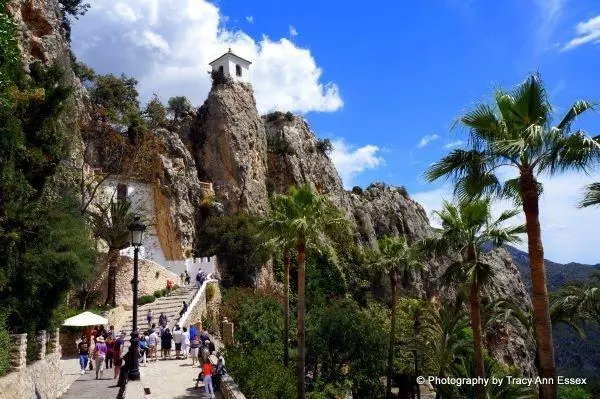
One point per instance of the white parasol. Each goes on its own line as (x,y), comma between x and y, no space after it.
(85,319)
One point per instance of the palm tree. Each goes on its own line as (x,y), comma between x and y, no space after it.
(312,220)
(577,302)
(466,228)
(280,235)
(110,224)
(416,311)
(396,257)
(445,338)
(592,195)
(516,132)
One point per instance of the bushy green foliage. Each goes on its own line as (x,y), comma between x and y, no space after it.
(179,107)
(4,346)
(324,146)
(357,190)
(44,240)
(259,375)
(278,116)
(155,113)
(572,392)
(118,96)
(146,299)
(234,239)
(344,334)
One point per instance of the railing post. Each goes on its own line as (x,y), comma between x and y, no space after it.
(227,328)
(18,352)
(40,345)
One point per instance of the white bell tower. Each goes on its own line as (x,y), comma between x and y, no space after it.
(232,66)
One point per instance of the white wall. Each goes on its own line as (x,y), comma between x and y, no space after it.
(229,62)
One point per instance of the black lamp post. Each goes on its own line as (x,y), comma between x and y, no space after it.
(137,229)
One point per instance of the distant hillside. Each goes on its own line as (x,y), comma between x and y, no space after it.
(557,273)
(574,356)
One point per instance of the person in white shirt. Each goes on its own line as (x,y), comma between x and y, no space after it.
(152,344)
(185,342)
(177,339)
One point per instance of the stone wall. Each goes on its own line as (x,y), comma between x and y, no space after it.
(204,307)
(229,389)
(42,379)
(152,277)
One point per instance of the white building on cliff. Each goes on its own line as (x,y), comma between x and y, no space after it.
(232,66)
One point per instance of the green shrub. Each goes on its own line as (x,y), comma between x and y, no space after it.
(357,190)
(324,146)
(211,291)
(158,293)
(4,346)
(219,78)
(572,392)
(146,299)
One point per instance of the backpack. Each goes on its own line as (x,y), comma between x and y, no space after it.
(205,354)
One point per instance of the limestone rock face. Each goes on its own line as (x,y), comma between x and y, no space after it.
(230,147)
(177,195)
(294,158)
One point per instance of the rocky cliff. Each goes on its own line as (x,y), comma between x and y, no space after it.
(230,147)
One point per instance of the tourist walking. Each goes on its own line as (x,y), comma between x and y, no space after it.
(219,372)
(162,319)
(118,353)
(165,344)
(185,342)
(193,332)
(204,335)
(187,278)
(149,318)
(194,348)
(181,278)
(110,352)
(199,279)
(84,351)
(99,356)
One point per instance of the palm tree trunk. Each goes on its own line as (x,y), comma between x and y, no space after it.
(301,305)
(390,365)
(543,325)
(113,256)
(286,306)
(477,337)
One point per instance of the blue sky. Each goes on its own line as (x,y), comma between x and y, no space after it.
(383,79)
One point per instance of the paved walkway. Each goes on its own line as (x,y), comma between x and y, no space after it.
(86,386)
(174,379)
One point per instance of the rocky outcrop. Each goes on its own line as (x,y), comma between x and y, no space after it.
(230,147)
(295,157)
(177,196)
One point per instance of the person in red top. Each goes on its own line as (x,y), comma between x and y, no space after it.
(207,371)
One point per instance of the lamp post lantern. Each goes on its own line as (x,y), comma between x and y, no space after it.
(137,229)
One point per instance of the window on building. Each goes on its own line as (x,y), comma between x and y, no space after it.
(121,192)
(238,70)
(221,69)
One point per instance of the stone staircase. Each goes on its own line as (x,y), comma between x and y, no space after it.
(170,305)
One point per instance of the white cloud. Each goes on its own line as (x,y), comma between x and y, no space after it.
(425,140)
(351,161)
(167,46)
(250,19)
(293,31)
(587,32)
(454,144)
(550,12)
(569,234)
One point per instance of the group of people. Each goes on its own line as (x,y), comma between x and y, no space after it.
(101,349)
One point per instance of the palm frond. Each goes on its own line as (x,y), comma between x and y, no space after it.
(578,108)
(592,195)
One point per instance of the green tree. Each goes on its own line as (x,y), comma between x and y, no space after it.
(179,107)
(516,132)
(396,257)
(592,195)
(155,113)
(313,220)
(236,241)
(466,228)
(281,235)
(117,97)
(110,223)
